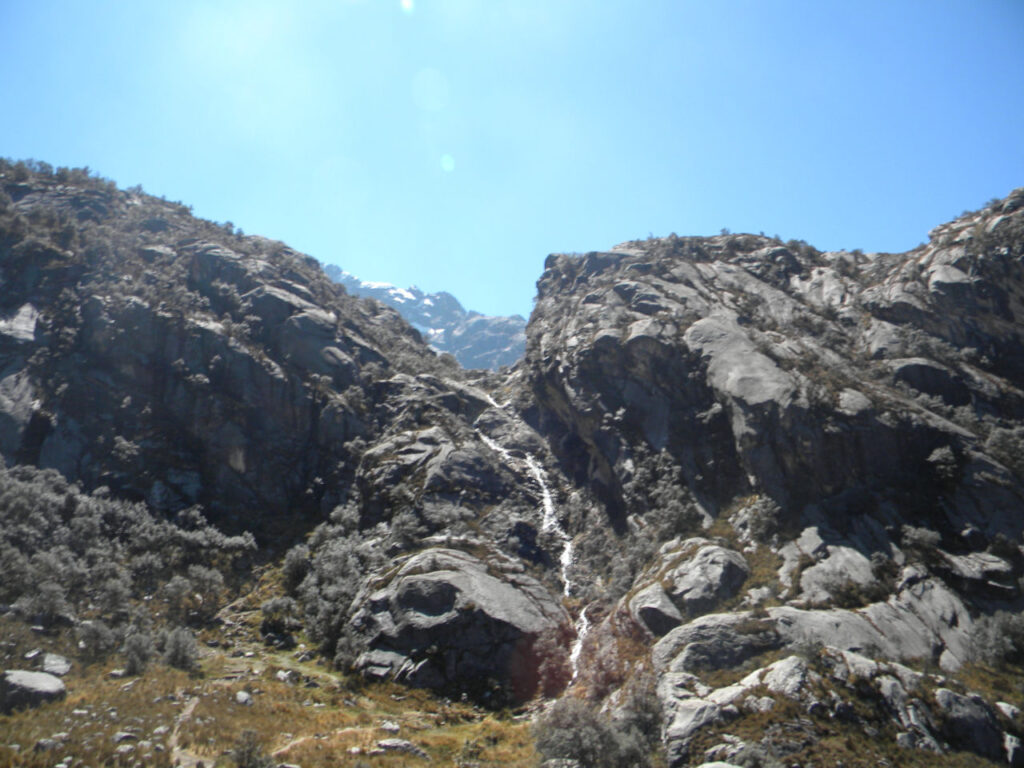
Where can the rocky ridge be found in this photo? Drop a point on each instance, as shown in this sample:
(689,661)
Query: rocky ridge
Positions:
(737,487)
(475,340)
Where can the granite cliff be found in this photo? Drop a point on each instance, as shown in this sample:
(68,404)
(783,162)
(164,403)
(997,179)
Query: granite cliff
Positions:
(741,501)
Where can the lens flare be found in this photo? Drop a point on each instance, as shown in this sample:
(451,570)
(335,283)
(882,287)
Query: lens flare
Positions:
(447,163)
(408,6)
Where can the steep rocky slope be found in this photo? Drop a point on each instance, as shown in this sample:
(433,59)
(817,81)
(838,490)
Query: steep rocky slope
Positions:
(475,340)
(855,417)
(741,501)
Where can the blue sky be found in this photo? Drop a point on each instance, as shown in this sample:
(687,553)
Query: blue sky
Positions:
(453,144)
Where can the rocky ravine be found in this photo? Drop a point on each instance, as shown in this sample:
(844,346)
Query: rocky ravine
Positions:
(475,340)
(736,484)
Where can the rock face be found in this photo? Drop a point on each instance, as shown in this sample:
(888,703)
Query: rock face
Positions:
(21,689)
(730,353)
(688,578)
(450,621)
(475,340)
(731,477)
(185,364)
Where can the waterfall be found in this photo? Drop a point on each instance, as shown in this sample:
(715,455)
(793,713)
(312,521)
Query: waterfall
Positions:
(549,524)
(582,629)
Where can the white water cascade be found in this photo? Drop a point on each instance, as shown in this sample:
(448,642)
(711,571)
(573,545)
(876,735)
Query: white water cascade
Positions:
(549,524)
(582,630)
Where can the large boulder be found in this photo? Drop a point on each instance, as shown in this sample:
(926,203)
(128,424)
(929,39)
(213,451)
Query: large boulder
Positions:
(969,723)
(21,689)
(448,620)
(713,574)
(715,641)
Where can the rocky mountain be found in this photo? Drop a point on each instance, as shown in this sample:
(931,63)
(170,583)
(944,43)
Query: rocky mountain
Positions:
(742,502)
(475,340)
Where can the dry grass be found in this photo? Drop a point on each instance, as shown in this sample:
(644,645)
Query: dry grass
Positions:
(312,726)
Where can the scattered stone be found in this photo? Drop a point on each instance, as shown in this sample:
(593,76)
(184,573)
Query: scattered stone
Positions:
(289,676)
(125,749)
(160,730)
(45,745)
(32,654)
(787,677)
(402,745)
(117,674)
(759,703)
(244,698)
(1007,710)
(390,726)
(54,664)
(122,736)
(1014,750)
(906,740)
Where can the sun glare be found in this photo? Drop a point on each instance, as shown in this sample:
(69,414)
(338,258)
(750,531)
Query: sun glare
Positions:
(408,6)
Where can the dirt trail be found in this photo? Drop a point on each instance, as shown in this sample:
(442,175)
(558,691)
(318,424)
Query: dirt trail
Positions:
(303,739)
(180,756)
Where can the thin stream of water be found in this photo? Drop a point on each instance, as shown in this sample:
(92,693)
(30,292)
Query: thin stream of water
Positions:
(549,524)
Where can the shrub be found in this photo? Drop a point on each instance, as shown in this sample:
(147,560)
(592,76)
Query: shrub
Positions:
(180,650)
(998,639)
(296,566)
(96,640)
(1007,447)
(921,543)
(249,753)
(277,613)
(45,606)
(138,650)
(574,730)
(553,669)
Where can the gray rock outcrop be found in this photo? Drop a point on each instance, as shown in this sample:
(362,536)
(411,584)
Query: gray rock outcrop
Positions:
(450,621)
(22,689)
